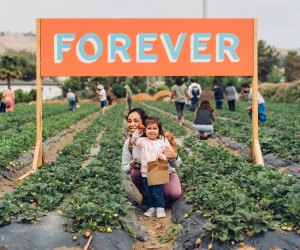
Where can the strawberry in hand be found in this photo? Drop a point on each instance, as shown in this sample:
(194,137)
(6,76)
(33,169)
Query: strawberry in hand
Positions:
(141,126)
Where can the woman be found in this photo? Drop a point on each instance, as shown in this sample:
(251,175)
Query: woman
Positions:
(8,97)
(72,100)
(180,94)
(204,116)
(131,159)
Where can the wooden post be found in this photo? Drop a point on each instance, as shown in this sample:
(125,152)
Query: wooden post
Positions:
(256,151)
(39,156)
(39,140)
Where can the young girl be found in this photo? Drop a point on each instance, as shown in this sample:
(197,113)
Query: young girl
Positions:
(204,116)
(151,148)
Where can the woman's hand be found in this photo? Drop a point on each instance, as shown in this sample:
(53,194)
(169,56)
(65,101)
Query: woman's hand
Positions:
(134,163)
(169,152)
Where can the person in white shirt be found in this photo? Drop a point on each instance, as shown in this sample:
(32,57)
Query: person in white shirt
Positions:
(194,91)
(102,93)
(261,102)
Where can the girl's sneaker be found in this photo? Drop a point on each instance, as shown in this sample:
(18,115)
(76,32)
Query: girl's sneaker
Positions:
(150,212)
(160,212)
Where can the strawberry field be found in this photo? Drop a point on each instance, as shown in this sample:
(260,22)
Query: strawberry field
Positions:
(227,199)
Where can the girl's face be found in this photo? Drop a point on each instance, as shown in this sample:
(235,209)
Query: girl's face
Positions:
(133,122)
(152,131)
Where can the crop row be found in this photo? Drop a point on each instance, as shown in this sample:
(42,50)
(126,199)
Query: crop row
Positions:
(46,189)
(27,114)
(20,139)
(99,203)
(285,146)
(235,196)
(284,117)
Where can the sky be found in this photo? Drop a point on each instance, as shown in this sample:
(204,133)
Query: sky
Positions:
(278,20)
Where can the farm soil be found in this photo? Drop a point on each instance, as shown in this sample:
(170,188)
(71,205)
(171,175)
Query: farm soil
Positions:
(51,153)
(154,228)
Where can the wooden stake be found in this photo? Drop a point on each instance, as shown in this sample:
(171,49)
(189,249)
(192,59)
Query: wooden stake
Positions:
(87,245)
(258,159)
(39,156)
(257,155)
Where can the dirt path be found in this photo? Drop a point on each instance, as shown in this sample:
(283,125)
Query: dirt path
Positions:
(50,154)
(154,228)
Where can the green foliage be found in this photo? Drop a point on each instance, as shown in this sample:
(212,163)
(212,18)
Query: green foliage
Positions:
(170,234)
(74,83)
(21,96)
(169,80)
(27,64)
(237,197)
(206,82)
(118,90)
(292,66)
(10,67)
(223,81)
(97,201)
(274,76)
(279,93)
(267,59)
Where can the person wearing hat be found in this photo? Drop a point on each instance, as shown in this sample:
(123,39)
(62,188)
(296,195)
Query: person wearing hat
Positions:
(102,93)
(128,96)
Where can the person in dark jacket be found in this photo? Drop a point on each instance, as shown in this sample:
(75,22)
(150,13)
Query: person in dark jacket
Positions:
(219,97)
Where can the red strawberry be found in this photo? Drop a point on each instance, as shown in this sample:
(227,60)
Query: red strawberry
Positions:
(33,204)
(141,126)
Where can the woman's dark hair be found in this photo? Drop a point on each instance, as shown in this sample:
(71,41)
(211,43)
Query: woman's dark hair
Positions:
(152,120)
(141,112)
(206,105)
(179,80)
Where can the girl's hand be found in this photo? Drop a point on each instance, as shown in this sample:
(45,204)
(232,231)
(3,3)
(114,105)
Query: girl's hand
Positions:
(169,152)
(159,157)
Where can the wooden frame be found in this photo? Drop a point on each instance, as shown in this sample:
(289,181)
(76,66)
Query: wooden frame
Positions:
(39,157)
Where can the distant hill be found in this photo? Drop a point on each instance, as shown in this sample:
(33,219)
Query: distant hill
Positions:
(17,42)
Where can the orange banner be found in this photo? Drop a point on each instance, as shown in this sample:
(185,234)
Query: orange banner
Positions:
(147,47)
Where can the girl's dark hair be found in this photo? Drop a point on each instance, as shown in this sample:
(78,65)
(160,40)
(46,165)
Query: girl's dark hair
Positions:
(152,120)
(206,105)
(141,112)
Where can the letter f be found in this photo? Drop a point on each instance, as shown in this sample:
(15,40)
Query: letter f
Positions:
(60,46)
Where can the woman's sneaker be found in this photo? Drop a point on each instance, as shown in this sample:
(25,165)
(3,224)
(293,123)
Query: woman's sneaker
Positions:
(160,212)
(150,212)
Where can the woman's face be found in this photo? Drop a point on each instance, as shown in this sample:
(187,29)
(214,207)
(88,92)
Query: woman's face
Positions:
(133,122)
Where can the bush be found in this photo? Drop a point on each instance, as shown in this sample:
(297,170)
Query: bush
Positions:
(118,90)
(274,76)
(291,93)
(21,96)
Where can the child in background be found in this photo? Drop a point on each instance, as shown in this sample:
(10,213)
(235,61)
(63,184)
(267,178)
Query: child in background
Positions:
(151,148)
